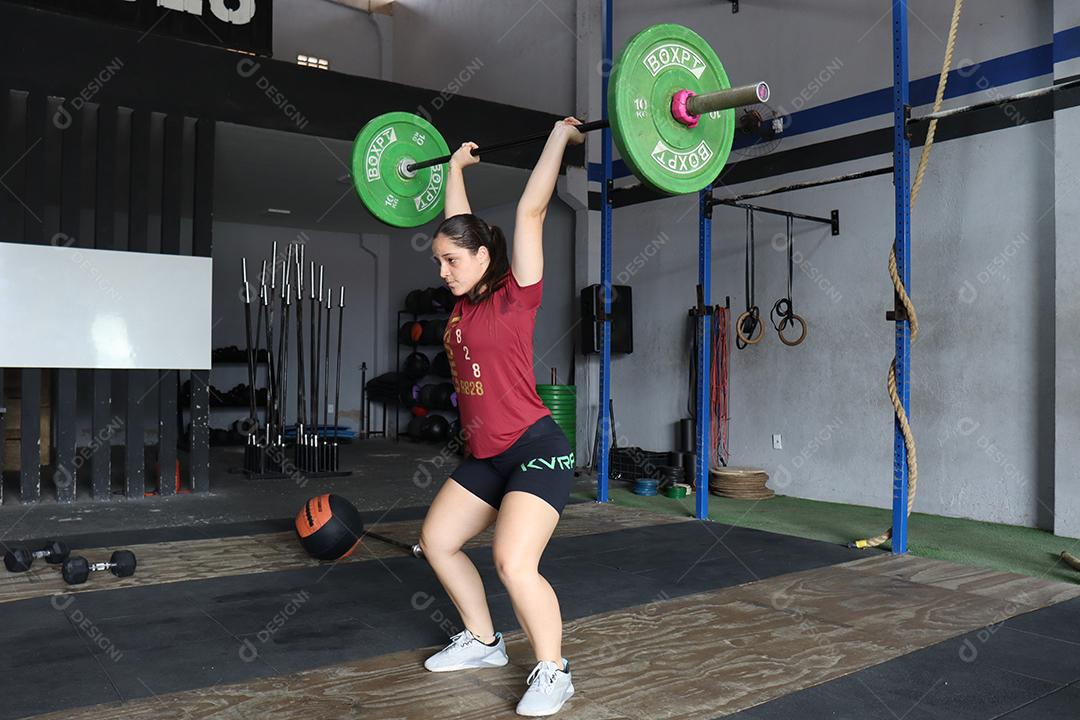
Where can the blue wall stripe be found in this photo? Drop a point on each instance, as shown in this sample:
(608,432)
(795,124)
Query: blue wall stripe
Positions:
(1067,44)
(1022,65)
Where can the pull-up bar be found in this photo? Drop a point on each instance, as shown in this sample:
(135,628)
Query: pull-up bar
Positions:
(833,221)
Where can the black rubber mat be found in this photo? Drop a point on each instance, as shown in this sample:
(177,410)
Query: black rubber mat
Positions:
(1027,668)
(137,642)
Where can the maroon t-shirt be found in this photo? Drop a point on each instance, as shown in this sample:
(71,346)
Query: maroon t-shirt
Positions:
(490,348)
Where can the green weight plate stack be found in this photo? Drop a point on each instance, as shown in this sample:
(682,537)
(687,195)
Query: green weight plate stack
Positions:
(561,400)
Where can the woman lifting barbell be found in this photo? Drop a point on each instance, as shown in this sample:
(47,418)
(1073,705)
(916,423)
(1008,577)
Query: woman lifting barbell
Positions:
(519,467)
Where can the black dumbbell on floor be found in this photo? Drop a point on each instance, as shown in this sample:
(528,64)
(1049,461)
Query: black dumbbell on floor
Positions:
(19,559)
(78,569)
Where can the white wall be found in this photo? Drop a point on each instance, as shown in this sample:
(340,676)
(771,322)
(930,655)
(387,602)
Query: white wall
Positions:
(347,38)
(982,372)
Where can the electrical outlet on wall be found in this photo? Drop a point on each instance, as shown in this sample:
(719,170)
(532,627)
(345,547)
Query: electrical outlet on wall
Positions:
(776,442)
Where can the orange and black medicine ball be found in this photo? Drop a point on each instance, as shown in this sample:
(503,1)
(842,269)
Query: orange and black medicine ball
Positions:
(329,527)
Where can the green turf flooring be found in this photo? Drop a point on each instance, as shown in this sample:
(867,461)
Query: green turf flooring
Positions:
(1003,547)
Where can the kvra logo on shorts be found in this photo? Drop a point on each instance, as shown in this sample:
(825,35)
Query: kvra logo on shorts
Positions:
(560,462)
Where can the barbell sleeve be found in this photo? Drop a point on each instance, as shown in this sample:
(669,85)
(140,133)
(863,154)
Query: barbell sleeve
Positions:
(727,99)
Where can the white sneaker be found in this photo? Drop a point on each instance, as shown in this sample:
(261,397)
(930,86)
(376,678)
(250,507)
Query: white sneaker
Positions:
(465,652)
(549,689)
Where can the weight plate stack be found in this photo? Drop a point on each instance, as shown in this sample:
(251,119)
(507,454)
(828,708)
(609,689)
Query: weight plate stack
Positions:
(561,400)
(671,475)
(676,491)
(739,483)
(645,486)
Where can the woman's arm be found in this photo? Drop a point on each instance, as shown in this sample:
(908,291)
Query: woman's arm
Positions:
(457,202)
(527,262)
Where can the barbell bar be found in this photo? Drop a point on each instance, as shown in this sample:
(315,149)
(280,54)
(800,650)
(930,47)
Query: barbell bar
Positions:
(695,106)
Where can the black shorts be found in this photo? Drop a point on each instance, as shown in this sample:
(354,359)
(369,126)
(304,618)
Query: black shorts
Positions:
(540,463)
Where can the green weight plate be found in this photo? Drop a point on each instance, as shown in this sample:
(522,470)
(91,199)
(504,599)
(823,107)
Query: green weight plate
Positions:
(558,398)
(561,402)
(556,390)
(381,148)
(665,154)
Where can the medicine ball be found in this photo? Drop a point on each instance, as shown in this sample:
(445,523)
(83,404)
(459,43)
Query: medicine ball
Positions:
(437,428)
(418,411)
(409,333)
(416,365)
(434,332)
(442,299)
(329,527)
(414,301)
(441,365)
(427,300)
(416,427)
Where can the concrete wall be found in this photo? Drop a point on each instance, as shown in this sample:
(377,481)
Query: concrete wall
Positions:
(1065,498)
(983,273)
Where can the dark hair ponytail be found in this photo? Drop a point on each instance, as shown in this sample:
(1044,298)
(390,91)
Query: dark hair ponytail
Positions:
(471,233)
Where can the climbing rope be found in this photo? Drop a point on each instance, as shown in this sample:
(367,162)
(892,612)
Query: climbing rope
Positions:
(901,291)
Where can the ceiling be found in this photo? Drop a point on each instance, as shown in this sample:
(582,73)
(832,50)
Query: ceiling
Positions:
(256,169)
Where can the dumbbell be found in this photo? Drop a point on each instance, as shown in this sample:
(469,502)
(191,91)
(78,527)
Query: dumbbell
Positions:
(78,569)
(19,559)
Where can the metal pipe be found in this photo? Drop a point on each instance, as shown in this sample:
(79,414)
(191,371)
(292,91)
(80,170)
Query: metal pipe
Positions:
(772,211)
(301,402)
(326,361)
(1027,95)
(247,330)
(810,184)
(337,382)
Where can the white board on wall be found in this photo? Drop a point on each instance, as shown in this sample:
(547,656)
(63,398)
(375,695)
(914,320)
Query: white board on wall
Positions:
(64,307)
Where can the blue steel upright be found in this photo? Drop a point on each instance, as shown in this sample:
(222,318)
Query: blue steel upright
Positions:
(605,266)
(704,330)
(902,183)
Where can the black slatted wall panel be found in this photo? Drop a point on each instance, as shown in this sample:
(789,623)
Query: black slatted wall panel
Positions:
(48,162)
(139,381)
(168,380)
(202,243)
(104,239)
(9,214)
(33,160)
(72,197)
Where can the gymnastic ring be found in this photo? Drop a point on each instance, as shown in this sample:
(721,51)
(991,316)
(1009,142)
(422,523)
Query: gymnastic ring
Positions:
(747,314)
(784,323)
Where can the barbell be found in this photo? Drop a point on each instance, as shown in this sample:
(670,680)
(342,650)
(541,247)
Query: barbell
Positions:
(671,114)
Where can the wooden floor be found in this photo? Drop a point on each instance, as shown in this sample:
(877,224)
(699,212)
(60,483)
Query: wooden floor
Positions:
(168,562)
(698,656)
